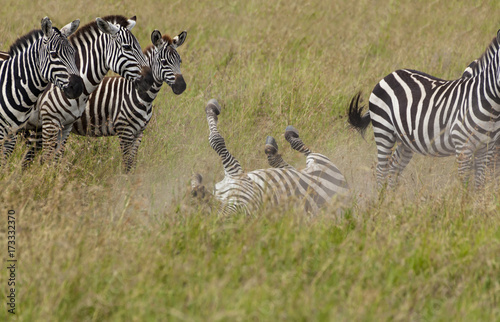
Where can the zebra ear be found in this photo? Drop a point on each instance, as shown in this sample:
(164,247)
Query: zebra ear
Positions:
(179,39)
(107,27)
(47,27)
(156,38)
(70,28)
(131,22)
(498,36)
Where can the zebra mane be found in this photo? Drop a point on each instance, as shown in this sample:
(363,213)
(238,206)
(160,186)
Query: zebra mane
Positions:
(115,19)
(24,41)
(479,64)
(151,47)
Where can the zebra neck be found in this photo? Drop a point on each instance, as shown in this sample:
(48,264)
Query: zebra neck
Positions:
(90,59)
(150,95)
(22,81)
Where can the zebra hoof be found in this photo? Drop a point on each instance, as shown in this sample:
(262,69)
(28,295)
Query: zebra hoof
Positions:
(196,180)
(291,132)
(213,106)
(271,146)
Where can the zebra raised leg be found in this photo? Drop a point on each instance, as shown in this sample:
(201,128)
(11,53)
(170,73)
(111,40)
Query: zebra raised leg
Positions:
(328,177)
(273,157)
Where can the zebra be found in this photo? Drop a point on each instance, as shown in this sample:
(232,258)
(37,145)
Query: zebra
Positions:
(36,59)
(239,191)
(101,45)
(116,107)
(494,165)
(423,114)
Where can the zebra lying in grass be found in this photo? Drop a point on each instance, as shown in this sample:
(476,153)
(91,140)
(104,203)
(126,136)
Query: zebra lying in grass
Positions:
(314,186)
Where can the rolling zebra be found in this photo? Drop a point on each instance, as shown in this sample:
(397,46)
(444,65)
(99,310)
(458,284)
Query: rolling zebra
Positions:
(34,60)
(116,107)
(101,45)
(315,186)
(423,114)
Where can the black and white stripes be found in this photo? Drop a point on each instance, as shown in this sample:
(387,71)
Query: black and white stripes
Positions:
(426,115)
(34,60)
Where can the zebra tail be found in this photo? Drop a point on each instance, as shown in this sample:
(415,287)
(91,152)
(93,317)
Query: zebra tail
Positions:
(355,119)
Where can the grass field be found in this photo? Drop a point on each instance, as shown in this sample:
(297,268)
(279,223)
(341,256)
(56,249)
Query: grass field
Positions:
(93,243)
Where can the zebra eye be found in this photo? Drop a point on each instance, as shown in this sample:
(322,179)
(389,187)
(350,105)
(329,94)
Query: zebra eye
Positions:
(54,54)
(164,62)
(127,47)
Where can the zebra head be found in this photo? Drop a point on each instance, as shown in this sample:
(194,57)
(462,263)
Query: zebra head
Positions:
(123,53)
(166,63)
(57,58)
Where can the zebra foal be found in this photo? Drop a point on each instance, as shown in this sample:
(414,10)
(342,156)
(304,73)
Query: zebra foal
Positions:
(117,107)
(419,113)
(33,61)
(314,186)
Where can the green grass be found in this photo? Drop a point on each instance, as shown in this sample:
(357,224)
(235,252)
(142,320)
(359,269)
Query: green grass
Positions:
(96,244)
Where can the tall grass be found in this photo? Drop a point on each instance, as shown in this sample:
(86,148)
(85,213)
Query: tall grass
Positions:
(96,244)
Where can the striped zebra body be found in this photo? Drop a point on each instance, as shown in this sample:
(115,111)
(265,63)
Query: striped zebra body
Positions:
(422,114)
(103,45)
(35,60)
(116,107)
(247,192)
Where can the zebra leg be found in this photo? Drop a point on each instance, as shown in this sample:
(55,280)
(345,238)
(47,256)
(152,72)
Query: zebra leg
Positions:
(129,144)
(34,144)
(494,166)
(273,157)
(464,158)
(51,133)
(400,159)
(231,165)
(292,136)
(482,160)
(8,146)
(385,141)
(61,141)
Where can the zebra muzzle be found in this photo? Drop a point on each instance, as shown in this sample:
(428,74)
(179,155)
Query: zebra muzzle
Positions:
(74,88)
(179,84)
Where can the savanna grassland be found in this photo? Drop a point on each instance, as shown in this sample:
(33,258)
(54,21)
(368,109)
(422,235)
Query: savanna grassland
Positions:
(93,243)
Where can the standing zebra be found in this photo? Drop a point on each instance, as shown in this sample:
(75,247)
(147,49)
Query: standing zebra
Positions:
(240,191)
(34,60)
(104,44)
(426,115)
(116,107)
